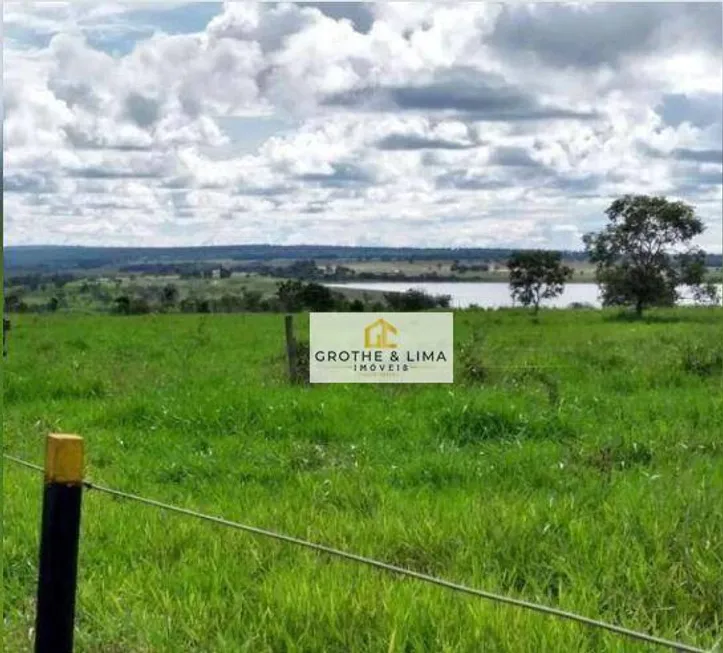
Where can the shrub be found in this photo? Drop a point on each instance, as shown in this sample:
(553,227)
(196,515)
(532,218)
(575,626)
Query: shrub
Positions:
(471,425)
(301,372)
(470,360)
(703,361)
(416,300)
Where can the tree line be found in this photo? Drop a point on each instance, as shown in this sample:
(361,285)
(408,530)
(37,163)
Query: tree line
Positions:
(292,296)
(642,256)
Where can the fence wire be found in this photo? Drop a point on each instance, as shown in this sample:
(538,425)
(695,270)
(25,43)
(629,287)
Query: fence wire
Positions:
(498,598)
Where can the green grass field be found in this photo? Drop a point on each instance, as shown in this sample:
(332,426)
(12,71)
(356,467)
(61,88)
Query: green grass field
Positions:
(592,482)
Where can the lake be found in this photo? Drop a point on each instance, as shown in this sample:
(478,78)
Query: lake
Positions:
(490,294)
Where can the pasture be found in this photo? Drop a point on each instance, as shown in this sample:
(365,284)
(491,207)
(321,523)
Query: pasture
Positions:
(577,461)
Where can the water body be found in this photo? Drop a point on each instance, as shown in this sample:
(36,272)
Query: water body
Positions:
(491,294)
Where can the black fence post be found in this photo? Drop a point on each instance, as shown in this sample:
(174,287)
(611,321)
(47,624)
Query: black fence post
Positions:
(59,538)
(6,330)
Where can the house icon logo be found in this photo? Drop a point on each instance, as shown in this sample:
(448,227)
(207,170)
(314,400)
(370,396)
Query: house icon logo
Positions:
(377,335)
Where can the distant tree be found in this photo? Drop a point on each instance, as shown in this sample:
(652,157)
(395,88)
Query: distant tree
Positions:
(317,298)
(289,295)
(694,268)
(13,302)
(635,264)
(304,270)
(251,299)
(271,305)
(125,305)
(229,304)
(295,295)
(7,325)
(53,304)
(122,305)
(415,300)
(536,275)
(187,305)
(100,293)
(59,280)
(140,306)
(169,295)
(224,272)
(356,306)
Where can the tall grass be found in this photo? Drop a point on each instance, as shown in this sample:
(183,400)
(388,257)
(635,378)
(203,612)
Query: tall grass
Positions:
(581,468)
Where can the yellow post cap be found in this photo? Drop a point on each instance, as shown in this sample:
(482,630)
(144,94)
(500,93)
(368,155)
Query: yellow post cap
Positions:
(63,458)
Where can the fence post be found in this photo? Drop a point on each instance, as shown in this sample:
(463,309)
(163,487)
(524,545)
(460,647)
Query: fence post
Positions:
(291,347)
(6,330)
(59,536)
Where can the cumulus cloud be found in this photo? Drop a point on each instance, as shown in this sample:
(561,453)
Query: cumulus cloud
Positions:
(467,124)
(600,35)
(465,92)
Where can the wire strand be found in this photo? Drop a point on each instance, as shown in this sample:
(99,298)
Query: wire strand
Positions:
(620,630)
(24,463)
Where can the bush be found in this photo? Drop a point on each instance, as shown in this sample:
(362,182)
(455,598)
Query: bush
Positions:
(13,302)
(301,372)
(251,299)
(702,361)
(140,306)
(470,360)
(229,304)
(470,425)
(416,300)
(187,305)
(296,296)
(125,305)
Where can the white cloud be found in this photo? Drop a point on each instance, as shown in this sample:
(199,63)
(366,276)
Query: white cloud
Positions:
(479,124)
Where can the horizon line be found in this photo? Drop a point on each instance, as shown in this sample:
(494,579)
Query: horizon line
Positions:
(307,245)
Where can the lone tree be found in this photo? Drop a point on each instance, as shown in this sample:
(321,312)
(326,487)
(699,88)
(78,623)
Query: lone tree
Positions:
(169,295)
(635,264)
(295,295)
(536,275)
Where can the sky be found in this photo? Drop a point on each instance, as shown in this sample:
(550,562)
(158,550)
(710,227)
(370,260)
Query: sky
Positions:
(379,124)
